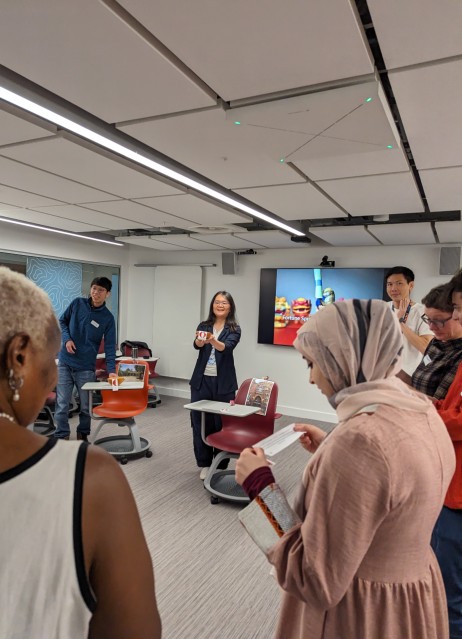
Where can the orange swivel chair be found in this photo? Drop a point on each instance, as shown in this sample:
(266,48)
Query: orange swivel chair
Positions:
(235,435)
(121,407)
(143,352)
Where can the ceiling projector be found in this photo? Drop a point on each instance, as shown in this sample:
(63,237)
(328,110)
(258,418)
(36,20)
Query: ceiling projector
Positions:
(300,239)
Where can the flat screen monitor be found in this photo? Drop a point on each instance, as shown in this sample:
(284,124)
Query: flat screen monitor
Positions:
(289,296)
(135,372)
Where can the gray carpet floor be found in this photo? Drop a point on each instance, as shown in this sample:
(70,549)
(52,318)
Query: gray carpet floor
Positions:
(212,582)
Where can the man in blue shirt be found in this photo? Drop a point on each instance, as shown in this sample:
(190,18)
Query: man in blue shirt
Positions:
(84,323)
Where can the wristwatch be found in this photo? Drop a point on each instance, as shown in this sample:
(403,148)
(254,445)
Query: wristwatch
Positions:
(402,320)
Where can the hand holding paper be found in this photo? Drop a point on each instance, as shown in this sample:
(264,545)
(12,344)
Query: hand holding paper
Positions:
(249,460)
(311,436)
(278,441)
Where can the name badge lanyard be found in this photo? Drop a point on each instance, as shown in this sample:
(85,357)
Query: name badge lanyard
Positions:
(406,314)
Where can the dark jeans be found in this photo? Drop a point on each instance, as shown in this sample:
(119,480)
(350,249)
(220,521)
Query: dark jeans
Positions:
(204,454)
(447,544)
(67,378)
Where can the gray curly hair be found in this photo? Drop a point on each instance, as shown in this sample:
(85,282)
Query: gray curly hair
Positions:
(25,308)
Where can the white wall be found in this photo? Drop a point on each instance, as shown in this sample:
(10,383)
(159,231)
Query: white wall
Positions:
(284,365)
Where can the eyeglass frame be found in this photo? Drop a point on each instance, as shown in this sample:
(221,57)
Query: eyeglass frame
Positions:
(437,323)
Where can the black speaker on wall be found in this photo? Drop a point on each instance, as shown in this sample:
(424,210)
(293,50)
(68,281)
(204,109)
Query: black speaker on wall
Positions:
(449,260)
(229,263)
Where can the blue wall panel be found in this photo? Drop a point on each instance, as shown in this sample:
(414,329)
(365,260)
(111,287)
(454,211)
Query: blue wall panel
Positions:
(60,279)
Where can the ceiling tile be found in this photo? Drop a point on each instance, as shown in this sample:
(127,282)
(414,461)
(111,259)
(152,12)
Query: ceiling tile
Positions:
(398,234)
(188,242)
(67,159)
(149,242)
(430,103)
(24,199)
(416,31)
(449,232)
(354,164)
(259,50)
(21,176)
(232,155)
(15,129)
(340,121)
(443,188)
(345,235)
(84,53)
(193,208)
(375,194)
(37,217)
(271,239)
(135,214)
(228,241)
(103,220)
(293,201)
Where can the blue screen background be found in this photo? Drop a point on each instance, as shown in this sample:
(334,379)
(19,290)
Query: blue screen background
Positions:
(360,283)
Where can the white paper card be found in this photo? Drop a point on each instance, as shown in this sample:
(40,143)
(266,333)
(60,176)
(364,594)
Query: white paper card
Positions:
(278,441)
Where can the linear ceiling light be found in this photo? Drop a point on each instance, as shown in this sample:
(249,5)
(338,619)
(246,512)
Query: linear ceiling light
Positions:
(101,140)
(45,228)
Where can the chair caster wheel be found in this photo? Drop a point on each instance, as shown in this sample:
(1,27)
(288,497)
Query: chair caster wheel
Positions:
(123,461)
(149,453)
(214,500)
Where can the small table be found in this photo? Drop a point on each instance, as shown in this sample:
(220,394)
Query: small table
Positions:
(127,358)
(120,446)
(222,483)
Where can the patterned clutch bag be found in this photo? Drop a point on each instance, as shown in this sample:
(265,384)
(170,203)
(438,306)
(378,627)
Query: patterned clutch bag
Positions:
(268,517)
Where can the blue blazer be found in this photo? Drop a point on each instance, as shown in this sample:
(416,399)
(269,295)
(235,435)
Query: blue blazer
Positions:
(226,373)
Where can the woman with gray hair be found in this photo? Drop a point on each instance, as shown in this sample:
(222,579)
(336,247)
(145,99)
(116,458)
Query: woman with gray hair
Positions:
(359,564)
(73,558)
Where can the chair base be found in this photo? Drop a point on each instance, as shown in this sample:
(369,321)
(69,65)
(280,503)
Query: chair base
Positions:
(123,447)
(222,484)
(45,424)
(154,397)
(44,429)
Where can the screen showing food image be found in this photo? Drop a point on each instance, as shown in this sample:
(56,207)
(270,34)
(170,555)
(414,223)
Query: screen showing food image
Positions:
(290,296)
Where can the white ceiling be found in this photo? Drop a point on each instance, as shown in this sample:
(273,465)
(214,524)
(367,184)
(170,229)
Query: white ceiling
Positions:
(283,107)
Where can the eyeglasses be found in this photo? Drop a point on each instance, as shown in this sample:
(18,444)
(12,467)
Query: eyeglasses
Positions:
(436,323)
(218,303)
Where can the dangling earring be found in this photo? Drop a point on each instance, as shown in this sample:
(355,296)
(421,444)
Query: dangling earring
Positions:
(15,384)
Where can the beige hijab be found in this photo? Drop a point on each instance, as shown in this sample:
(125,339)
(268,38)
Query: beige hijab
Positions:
(357,345)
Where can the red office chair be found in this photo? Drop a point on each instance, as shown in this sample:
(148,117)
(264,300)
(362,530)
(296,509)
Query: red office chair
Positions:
(121,407)
(101,373)
(235,435)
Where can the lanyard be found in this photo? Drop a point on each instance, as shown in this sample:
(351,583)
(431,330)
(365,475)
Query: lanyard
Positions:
(406,314)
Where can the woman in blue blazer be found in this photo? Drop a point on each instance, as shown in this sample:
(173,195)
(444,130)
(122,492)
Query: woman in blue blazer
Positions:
(214,375)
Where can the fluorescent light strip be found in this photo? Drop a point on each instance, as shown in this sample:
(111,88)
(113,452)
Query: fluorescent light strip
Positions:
(88,134)
(45,228)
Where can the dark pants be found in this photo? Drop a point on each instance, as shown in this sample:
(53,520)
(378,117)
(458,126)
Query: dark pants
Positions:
(204,454)
(447,544)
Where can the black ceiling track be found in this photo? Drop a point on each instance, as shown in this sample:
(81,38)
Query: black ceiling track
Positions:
(368,26)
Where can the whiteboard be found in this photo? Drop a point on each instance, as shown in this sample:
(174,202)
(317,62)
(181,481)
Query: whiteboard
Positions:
(177,308)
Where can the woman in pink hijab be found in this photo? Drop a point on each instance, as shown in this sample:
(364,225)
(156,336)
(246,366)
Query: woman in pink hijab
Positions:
(360,565)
